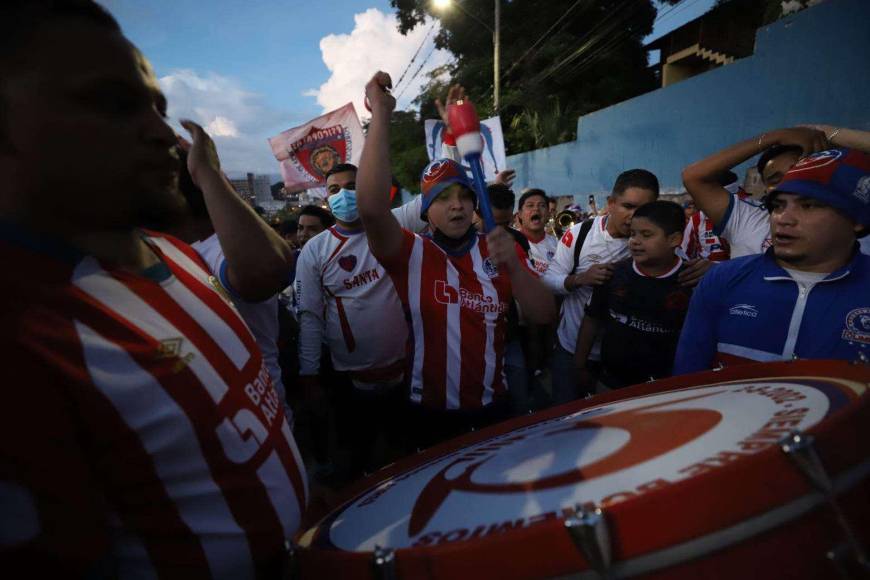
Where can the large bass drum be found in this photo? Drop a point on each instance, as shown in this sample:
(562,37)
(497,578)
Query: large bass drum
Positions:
(758,471)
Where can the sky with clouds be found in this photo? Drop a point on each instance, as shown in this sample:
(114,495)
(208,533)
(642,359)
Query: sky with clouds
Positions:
(249,69)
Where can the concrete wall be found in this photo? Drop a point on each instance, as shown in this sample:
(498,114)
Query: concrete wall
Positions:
(812,67)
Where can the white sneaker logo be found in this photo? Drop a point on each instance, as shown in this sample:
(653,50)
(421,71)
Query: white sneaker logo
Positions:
(743,310)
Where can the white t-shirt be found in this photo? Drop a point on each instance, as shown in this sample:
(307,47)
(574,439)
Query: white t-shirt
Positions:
(599,248)
(543,252)
(261,317)
(746,226)
(348,301)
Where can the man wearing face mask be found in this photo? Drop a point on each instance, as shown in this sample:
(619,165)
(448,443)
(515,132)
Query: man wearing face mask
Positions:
(347,302)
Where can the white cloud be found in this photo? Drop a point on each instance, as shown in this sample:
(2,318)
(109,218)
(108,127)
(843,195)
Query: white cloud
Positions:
(238,120)
(222,127)
(374,44)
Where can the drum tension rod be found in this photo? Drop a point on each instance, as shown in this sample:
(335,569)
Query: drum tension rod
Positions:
(800,448)
(384,562)
(587,527)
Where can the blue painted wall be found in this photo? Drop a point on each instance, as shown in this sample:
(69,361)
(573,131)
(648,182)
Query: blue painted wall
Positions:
(812,67)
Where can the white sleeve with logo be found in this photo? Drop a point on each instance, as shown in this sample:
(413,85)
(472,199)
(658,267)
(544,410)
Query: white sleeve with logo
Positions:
(408,215)
(309,296)
(562,264)
(746,227)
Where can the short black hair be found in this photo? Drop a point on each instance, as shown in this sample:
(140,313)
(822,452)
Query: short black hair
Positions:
(340,168)
(665,214)
(500,196)
(22,18)
(324,216)
(726,178)
(532,193)
(775,151)
(287,227)
(640,178)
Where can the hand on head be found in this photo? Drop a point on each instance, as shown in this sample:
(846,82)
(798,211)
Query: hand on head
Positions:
(809,139)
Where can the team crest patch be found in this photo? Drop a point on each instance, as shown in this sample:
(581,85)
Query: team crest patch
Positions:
(169,347)
(490,268)
(862,191)
(568,238)
(347,263)
(858,326)
(219,288)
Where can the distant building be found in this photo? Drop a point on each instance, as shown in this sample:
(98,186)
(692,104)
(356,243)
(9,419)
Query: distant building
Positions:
(255,189)
(718,38)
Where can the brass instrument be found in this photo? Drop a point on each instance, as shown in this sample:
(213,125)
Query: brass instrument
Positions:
(564,220)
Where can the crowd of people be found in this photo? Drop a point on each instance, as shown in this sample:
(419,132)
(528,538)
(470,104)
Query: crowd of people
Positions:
(165,348)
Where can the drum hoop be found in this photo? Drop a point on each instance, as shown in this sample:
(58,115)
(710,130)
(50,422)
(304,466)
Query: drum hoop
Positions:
(730,536)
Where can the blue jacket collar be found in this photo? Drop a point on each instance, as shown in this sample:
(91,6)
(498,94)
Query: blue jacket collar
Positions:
(771,271)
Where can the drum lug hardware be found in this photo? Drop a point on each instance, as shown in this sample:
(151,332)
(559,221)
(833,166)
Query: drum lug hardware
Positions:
(719,367)
(862,359)
(384,562)
(587,527)
(799,447)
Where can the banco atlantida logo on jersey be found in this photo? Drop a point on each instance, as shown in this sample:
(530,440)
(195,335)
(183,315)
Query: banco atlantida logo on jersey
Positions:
(474,301)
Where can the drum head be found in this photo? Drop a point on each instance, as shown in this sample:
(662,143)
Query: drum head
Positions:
(681,469)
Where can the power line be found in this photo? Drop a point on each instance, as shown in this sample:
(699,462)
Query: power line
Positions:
(416,53)
(542,37)
(420,68)
(603,28)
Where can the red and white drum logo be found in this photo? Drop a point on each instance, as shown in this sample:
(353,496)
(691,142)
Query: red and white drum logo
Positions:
(605,454)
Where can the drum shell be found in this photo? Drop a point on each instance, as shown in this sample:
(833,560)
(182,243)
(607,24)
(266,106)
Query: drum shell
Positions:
(657,521)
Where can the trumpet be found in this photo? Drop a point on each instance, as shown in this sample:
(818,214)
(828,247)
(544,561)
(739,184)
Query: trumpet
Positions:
(563,221)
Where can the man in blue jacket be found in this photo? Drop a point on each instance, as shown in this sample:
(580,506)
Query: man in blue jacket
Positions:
(808,296)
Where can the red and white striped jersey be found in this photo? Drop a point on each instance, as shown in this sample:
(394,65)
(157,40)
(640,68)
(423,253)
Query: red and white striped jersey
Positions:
(456,307)
(139,432)
(699,240)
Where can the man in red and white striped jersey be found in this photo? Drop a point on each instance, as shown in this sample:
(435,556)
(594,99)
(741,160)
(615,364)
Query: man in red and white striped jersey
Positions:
(455,286)
(140,435)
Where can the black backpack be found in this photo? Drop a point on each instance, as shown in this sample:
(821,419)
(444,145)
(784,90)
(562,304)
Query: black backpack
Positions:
(581,237)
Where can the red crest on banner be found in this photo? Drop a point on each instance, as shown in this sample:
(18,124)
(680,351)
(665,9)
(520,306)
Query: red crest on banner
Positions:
(321,150)
(307,153)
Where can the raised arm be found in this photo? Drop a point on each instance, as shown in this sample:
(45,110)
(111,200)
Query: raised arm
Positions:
(843,137)
(373,177)
(258,260)
(701,177)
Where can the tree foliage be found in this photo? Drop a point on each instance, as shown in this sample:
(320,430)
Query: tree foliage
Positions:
(592,58)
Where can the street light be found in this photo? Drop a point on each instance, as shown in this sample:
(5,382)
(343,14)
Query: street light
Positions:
(496,41)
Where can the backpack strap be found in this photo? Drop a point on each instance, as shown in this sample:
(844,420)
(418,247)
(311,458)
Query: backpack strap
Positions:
(581,237)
